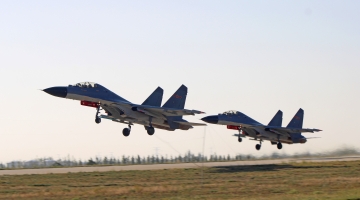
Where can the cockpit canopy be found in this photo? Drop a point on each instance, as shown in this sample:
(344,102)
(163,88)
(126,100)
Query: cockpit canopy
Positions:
(85,85)
(231,112)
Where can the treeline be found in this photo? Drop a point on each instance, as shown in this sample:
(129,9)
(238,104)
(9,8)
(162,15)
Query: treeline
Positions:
(188,157)
(123,160)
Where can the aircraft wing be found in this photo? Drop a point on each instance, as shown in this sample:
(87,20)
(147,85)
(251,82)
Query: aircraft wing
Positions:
(190,123)
(165,111)
(293,130)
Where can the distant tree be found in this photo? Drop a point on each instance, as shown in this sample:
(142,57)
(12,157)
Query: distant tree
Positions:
(132,160)
(105,161)
(228,157)
(98,160)
(138,160)
(57,164)
(143,160)
(205,158)
(157,160)
(91,162)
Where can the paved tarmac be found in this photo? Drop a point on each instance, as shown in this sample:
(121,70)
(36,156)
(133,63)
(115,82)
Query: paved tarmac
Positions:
(170,166)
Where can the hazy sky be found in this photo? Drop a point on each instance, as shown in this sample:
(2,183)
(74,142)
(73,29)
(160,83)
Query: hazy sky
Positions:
(253,56)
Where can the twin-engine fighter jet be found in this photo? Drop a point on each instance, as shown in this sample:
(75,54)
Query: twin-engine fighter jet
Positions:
(259,132)
(149,113)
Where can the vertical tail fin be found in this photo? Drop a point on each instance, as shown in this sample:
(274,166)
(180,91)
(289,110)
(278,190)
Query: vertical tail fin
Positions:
(177,100)
(155,98)
(277,119)
(297,120)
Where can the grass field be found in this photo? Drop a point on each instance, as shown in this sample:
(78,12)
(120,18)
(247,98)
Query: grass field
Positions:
(326,180)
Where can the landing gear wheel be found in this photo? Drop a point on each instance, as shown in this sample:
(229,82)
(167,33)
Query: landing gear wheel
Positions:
(150,130)
(239,139)
(258,146)
(126,132)
(279,145)
(97,120)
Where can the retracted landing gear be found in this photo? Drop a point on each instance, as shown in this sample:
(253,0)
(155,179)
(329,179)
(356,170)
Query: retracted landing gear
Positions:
(258,146)
(97,118)
(126,131)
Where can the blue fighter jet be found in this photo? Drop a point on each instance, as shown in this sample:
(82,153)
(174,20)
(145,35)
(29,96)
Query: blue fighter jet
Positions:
(273,132)
(150,114)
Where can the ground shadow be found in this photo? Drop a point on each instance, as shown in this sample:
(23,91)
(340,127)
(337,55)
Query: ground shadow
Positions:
(270,167)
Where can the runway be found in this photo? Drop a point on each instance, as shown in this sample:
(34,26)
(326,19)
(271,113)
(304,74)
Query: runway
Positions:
(170,166)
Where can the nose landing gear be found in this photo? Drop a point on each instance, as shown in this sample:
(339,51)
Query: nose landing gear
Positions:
(279,145)
(97,118)
(258,146)
(240,132)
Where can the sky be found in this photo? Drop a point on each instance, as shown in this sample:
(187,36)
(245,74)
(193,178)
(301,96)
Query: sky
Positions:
(252,56)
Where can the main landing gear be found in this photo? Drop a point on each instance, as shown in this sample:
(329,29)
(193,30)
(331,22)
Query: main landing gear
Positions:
(97,118)
(126,131)
(258,146)
(150,130)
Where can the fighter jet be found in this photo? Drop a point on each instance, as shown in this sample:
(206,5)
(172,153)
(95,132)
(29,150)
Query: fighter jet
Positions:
(150,114)
(273,132)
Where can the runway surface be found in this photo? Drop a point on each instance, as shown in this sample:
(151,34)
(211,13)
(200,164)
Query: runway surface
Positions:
(169,166)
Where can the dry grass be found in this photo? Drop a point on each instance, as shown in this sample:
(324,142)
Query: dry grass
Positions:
(330,180)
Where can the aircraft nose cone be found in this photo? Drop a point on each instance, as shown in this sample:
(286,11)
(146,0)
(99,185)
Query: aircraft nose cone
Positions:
(57,91)
(213,119)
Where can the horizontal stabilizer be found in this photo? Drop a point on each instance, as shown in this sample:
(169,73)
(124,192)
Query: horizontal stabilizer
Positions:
(190,123)
(312,137)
